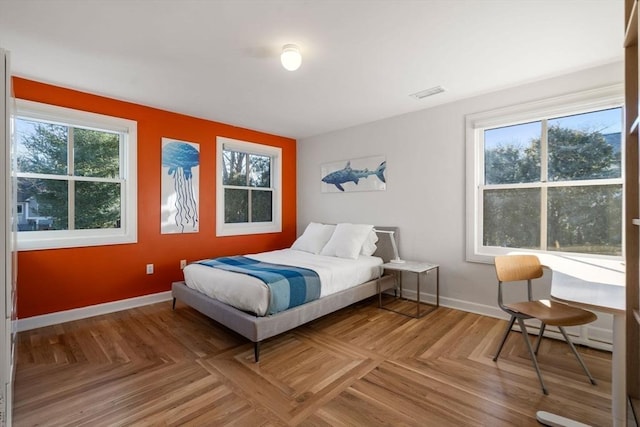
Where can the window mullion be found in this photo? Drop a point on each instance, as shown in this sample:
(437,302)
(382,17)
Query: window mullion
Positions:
(249,219)
(71,197)
(544,178)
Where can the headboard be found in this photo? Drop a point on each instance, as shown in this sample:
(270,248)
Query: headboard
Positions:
(384,247)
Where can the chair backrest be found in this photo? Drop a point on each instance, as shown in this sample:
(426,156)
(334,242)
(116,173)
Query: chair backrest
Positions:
(510,268)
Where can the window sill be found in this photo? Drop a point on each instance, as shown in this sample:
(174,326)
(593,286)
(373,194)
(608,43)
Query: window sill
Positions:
(245,229)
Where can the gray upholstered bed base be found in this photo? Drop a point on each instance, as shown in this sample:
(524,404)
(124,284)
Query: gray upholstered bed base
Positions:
(258,328)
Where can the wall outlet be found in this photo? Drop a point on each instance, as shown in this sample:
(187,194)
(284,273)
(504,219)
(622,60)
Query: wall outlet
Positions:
(183,264)
(149,268)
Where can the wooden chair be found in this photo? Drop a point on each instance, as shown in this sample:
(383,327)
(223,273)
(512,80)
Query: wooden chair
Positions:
(518,268)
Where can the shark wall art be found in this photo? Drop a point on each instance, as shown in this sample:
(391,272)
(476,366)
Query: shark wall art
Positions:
(364,174)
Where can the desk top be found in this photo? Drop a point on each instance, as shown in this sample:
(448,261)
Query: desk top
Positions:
(590,295)
(581,282)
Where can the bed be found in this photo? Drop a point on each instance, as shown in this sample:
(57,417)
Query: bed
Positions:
(258,328)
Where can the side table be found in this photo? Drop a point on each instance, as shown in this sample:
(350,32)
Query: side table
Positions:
(419,268)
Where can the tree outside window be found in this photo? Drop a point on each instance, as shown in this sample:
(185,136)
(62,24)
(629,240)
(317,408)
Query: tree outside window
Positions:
(247,192)
(248,188)
(76,177)
(61,175)
(555,184)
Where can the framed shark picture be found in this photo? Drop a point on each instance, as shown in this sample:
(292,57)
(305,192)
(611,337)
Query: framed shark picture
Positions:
(362,174)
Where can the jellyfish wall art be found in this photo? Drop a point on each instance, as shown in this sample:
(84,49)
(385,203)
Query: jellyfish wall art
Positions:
(180,180)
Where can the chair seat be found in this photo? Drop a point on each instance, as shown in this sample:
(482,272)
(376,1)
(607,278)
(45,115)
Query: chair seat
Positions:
(553,313)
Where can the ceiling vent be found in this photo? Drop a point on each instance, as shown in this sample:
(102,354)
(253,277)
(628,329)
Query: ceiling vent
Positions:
(427,92)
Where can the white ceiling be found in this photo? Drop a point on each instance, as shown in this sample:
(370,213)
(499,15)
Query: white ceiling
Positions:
(219,59)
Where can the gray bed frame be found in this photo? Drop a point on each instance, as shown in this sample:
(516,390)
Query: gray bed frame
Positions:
(258,328)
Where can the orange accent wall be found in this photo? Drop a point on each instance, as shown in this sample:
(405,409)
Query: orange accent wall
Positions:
(63,279)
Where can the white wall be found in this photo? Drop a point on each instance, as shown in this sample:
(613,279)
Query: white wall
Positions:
(425,193)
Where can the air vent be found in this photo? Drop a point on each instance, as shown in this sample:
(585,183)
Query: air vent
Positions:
(427,92)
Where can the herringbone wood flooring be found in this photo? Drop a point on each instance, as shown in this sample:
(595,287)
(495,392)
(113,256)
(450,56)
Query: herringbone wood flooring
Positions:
(359,366)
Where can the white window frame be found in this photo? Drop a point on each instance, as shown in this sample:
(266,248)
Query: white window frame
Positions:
(570,104)
(128,231)
(275,153)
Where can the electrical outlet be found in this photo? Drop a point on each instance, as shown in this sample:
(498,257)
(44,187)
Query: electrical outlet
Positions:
(149,268)
(183,264)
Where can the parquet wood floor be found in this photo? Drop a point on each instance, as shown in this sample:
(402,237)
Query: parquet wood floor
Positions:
(152,366)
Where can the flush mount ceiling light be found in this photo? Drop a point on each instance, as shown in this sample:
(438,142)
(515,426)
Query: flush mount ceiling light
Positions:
(291,57)
(427,92)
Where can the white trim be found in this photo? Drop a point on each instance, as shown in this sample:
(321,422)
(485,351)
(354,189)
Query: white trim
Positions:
(53,239)
(589,335)
(90,311)
(599,338)
(574,103)
(275,226)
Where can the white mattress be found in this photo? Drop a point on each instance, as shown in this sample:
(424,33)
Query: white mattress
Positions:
(251,294)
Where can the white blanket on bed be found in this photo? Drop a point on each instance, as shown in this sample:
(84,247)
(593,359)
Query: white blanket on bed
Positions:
(251,294)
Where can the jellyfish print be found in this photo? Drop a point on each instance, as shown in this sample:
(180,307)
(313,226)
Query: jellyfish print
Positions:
(180,160)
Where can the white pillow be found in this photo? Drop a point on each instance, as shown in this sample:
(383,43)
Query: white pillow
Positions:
(369,246)
(347,240)
(314,238)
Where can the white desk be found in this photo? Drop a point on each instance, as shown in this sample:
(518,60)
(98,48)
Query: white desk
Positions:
(578,282)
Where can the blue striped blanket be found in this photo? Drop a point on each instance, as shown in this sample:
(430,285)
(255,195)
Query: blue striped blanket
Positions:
(288,286)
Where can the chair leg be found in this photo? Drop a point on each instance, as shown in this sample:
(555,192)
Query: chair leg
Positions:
(543,326)
(525,335)
(573,348)
(504,337)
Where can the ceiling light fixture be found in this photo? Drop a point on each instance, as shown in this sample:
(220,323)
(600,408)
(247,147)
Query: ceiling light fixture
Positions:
(427,92)
(291,58)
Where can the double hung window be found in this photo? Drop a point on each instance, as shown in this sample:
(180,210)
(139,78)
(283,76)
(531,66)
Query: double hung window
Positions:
(76,177)
(248,193)
(547,177)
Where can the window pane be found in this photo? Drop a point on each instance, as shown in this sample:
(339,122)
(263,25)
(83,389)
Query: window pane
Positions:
(41,147)
(236,206)
(234,171)
(261,206)
(97,205)
(260,171)
(585,146)
(511,218)
(45,204)
(96,153)
(585,219)
(512,154)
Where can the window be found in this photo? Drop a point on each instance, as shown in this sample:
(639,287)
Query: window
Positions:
(76,176)
(547,177)
(248,188)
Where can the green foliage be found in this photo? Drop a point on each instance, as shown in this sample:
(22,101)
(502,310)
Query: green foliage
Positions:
(261,204)
(511,165)
(96,153)
(97,205)
(585,217)
(44,150)
(512,218)
(236,205)
(579,219)
(234,172)
(579,155)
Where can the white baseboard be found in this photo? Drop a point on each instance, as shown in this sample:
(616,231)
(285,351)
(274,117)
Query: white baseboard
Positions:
(589,335)
(90,311)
